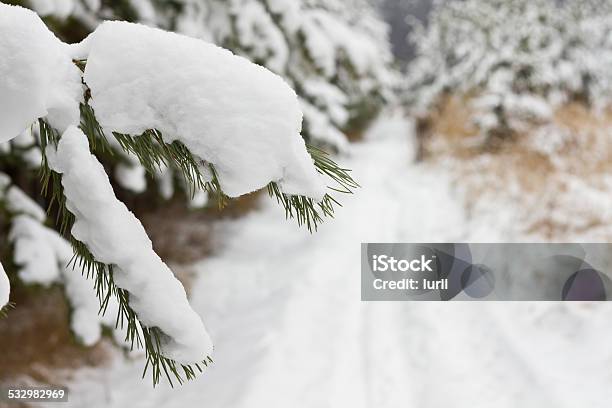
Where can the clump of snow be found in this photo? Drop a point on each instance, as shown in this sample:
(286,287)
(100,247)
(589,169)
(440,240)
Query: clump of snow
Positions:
(34,251)
(25,146)
(165,182)
(86,320)
(329,98)
(289,12)
(18,202)
(132,176)
(257,32)
(231,113)
(37,76)
(115,236)
(320,49)
(319,124)
(355,46)
(5,287)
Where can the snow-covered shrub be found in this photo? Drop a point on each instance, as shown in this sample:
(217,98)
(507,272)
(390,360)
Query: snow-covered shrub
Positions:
(515,60)
(228,126)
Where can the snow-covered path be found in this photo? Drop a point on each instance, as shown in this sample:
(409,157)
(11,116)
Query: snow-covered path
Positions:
(284,309)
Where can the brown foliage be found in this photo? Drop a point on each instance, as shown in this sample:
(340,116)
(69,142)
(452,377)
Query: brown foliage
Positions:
(577,148)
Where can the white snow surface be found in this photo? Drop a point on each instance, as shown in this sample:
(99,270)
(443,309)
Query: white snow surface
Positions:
(5,287)
(234,114)
(291,330)
(115,236)
(37,76)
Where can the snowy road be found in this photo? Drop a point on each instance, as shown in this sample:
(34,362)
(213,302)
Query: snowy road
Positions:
(284,309)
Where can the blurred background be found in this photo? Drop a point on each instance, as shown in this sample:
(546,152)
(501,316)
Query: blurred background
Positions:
(463,121)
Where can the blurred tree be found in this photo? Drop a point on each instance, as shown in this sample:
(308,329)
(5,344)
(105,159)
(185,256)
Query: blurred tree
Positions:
(516,59)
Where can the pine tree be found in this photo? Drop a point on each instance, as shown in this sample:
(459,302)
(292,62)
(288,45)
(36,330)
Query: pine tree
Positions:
(70,107)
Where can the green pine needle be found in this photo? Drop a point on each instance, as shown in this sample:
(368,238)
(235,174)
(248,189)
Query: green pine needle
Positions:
(306,210)
(4,309)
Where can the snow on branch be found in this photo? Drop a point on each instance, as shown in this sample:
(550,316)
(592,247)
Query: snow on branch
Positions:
(339,42)
(231,113)
(115,236)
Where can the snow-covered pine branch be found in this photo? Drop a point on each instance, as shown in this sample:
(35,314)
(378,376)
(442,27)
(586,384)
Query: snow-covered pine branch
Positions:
(114,236)
(229,126)
(334,53)
(250,137)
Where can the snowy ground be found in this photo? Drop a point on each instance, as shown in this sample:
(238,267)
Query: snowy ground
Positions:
(284,310)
